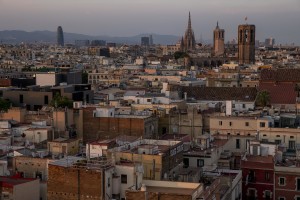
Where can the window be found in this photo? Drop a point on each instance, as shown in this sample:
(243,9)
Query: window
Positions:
(251,193)
(200,162)
(241,35)
(220,123)
(265,140)
(123,178)
(281,198)
(21,98)
(244,105)
(108,182)
(267,194)
(281,181)
(267,176)
(292,144)
(251,176)
(262,124)
(298,184)
(246,123)
(46,100)
(233,105)
(277,141)
(237,143)
(230,123)
(246,35)
(39,175)
(148,100)
(186,162)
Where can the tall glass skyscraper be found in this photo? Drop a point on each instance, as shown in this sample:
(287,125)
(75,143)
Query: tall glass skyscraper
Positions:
(60,36)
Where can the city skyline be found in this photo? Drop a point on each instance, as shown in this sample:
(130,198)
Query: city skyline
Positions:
(273,18)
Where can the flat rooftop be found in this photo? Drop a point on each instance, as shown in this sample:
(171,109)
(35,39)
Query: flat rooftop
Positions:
(170,190)
(171,187)
(197,151)
(67,161)
(261,159)
(63,140)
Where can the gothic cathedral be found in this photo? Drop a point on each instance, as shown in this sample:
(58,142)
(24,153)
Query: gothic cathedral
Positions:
(188,42)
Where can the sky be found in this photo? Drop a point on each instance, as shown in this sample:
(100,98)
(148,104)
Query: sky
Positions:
(279,19)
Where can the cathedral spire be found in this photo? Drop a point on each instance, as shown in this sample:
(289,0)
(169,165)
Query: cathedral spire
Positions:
(189,38)
(217,25)
(190,21)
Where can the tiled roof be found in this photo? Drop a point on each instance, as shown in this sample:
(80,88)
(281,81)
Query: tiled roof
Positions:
(278,75)
(220,93)
(280,93)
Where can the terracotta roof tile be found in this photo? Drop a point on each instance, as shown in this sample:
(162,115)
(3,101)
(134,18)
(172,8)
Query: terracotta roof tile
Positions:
(220,93)
(280,75)
(280,93)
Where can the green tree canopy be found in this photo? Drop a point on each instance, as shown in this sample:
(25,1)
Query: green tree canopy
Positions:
(59,101)
(4,104)
(84,77)
(263,98)
(180,54)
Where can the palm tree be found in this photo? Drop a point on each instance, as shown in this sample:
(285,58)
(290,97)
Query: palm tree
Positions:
(263,98)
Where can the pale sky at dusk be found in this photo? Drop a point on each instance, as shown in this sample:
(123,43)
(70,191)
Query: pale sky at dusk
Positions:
(273,18)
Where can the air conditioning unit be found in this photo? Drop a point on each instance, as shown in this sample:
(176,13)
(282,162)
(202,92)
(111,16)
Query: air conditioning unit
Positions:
(77,104)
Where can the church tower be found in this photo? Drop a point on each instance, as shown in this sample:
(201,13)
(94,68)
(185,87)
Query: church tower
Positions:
(189,41)
(218,41)
(246,44)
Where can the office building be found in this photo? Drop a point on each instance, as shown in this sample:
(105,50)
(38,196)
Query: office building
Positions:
(60,36)
(151,40)
(145,41)
(269,42)
(82,43)
(98,43)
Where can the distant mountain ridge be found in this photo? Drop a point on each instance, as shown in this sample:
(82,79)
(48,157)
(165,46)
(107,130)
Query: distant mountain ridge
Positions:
(18,36)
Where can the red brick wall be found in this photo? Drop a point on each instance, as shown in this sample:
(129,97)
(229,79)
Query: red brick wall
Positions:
(289,189)
(260,183)
(66,183)
(5,82)
(103,127)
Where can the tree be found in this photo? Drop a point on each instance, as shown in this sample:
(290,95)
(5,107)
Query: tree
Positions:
(59,101)
(84,77)
(4,104)
(180,54)
(263,98)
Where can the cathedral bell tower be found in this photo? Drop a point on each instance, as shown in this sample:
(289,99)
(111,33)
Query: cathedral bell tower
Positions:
(246,44)
(218,41)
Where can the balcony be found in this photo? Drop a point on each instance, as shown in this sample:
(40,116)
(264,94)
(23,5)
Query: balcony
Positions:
(251,179)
